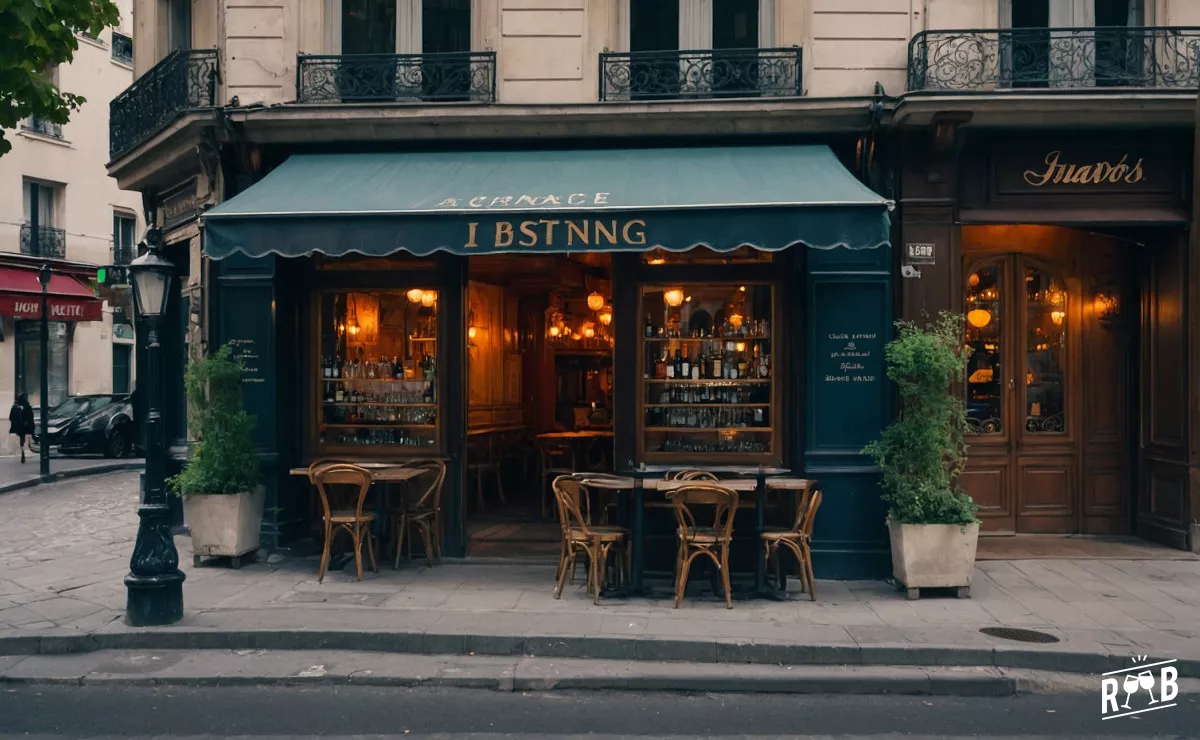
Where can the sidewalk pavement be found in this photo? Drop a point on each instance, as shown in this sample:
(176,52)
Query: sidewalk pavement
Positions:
(15,475)
(64,550)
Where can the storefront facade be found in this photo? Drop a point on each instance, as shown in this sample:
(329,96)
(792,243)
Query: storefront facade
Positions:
(749,289)
(1068,253)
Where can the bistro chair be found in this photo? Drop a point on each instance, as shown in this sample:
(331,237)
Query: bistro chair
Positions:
(343,490)
(481,459)
(798,539)
(555,457)
(595,542)
(711,541)
(425,514)
(518,448)
(692,475)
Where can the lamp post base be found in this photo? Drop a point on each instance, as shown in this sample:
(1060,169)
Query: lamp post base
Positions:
(154,601)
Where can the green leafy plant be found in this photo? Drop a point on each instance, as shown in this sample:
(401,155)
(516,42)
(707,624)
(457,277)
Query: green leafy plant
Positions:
(36,35)
(222,458)
(923,452)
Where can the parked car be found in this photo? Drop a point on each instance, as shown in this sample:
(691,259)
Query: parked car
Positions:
(98,423)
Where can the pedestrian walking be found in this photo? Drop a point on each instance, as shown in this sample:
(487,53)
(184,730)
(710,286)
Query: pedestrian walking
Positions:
(20,421)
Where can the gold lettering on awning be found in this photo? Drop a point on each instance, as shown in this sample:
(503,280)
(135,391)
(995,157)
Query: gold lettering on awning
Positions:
(541,233)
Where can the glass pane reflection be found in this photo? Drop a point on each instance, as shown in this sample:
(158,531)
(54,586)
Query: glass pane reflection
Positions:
(984,375)
(1045,352)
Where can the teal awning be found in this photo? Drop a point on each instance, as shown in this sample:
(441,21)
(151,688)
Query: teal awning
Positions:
(767,197)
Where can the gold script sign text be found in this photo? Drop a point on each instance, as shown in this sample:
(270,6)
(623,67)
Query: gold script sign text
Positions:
(552,232)
(1058,173)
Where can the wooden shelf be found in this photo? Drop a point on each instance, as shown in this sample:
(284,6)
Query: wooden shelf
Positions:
(375,380)
(422,339)
(755,338)
(379,425)
(375,403)
(707,381)
(685,405)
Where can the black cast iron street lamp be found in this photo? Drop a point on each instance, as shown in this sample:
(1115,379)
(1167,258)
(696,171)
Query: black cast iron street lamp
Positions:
(154,586)
(44,275)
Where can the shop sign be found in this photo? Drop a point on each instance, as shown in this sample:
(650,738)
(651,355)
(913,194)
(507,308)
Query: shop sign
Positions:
(919,253)
(1055,171)
(61,309)
(525,202)
(556,232)
(1049,167)
(180,205)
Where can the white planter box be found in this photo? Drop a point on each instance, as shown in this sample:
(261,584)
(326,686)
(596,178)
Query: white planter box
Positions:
(933,556)
(224,525)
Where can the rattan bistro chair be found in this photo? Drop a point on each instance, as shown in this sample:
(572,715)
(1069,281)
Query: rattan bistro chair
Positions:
(556,457)
(696,539)
(798,539)
(343,489)
(425,514)
(699,475)
(595,542)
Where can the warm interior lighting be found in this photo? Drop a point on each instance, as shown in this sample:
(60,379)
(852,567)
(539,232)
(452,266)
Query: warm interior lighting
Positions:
(979,318)
(555,331)
(428,298)
(742,288)
(973,280)
(472,332)
(589,331)
(605,315)
(673,297)
(595,301)
(741,346)
(735,320)
(1057,317)
(1107,306)
(415,295)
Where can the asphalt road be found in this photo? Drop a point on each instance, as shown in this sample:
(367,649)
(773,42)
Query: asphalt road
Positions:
(110,711)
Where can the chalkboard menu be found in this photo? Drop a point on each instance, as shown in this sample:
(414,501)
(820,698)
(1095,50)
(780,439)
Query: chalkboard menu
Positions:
(248,327)
(847,368)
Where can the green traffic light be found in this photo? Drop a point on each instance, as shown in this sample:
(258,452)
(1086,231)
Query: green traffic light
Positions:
(102,275)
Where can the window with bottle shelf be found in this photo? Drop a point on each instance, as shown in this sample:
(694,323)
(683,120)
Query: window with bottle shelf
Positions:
(708,372)
(378,369)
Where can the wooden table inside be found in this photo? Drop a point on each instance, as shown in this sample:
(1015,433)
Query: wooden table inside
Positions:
(383,472)
(581,434)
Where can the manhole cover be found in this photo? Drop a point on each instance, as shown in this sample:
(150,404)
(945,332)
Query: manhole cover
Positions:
(1020,635)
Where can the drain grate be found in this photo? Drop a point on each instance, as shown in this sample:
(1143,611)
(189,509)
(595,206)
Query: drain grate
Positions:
(1020,635)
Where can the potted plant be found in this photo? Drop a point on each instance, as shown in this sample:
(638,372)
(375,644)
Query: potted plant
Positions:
(222,500)
(932,522)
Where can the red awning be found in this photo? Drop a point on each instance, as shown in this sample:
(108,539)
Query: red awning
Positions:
(68,299)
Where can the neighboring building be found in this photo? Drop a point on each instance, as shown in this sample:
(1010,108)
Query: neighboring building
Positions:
(83,220)
(363,132)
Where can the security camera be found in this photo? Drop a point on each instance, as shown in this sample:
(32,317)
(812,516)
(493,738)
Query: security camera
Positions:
(909,271)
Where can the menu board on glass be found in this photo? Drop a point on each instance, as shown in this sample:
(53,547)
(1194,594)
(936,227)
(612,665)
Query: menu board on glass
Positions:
(378,369)
(708,373)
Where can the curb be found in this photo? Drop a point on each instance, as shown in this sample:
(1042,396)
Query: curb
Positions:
(605,648)
(101,469)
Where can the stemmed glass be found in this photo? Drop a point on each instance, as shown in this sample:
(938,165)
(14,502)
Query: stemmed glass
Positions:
(1131,686)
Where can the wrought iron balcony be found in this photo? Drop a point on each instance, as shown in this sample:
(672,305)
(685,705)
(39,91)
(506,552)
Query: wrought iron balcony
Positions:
(1059,59)
(43,127)
(711,73)
(122,48)
(50,242)
(184,80)
(123,254)
(390,78)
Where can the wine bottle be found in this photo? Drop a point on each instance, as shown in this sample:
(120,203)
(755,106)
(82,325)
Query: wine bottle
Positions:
(649,326)
(685,365)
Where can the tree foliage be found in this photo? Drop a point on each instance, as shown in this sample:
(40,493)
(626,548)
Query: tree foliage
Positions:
(36,35)
(223,458)
(923,452)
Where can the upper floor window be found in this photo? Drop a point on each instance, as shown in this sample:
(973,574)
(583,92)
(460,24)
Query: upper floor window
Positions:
(122,47)
(1072,13)
(735,24)
(124,226)
(43,198)
(405,26)
(445,26)
(369,26)
(179,24)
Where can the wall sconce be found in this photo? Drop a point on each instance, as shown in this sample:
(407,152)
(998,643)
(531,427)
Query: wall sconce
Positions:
(605,315)
(428,298)
(595,301)
(1107,305)
(472,332)
(673,297)
(415,295)
(1057,317)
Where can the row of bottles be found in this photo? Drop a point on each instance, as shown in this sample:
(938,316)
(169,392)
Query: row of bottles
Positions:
(377,436)
(693,417)
(714,361)
(333,368)
(690,444)
(742,329)
(709,394)
(352,414)
(380,392)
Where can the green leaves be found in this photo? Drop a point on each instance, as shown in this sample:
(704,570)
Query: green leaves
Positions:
(922,454)
(223,458)
(35,36)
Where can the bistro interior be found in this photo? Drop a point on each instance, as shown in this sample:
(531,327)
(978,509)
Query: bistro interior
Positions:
(653,320)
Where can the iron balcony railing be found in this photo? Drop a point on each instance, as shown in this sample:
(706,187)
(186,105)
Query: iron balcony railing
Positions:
(710,73)
(122,48)
(183,81)
(123,254)
(43,127)
(1059,59)
(50,242)
(388,78)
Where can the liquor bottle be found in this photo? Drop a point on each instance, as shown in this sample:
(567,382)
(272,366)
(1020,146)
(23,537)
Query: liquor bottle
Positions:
(337,366)
(670,366)
(326,367)
(696,370)
(686,366)
(649,326)
(678,364)
(764,368)
(717,370)
(660,366)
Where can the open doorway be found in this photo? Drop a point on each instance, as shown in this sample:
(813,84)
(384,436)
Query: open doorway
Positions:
(539,387)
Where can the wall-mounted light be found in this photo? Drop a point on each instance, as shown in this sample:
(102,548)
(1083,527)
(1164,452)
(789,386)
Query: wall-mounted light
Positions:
(1057,317)
(1107,305)
(673,297)
(415,295)
(472,332)
(428,298)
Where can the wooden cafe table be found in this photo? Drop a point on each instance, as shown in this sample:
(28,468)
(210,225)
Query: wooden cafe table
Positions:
(756,479)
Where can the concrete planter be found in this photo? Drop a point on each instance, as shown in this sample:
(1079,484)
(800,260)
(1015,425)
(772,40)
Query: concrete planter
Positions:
(934,556)
(1196,537)
(224,525)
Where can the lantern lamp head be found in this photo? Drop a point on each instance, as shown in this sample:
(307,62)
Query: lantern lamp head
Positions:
(151,275)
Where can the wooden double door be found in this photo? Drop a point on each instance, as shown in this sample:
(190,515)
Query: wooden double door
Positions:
(1048,384)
